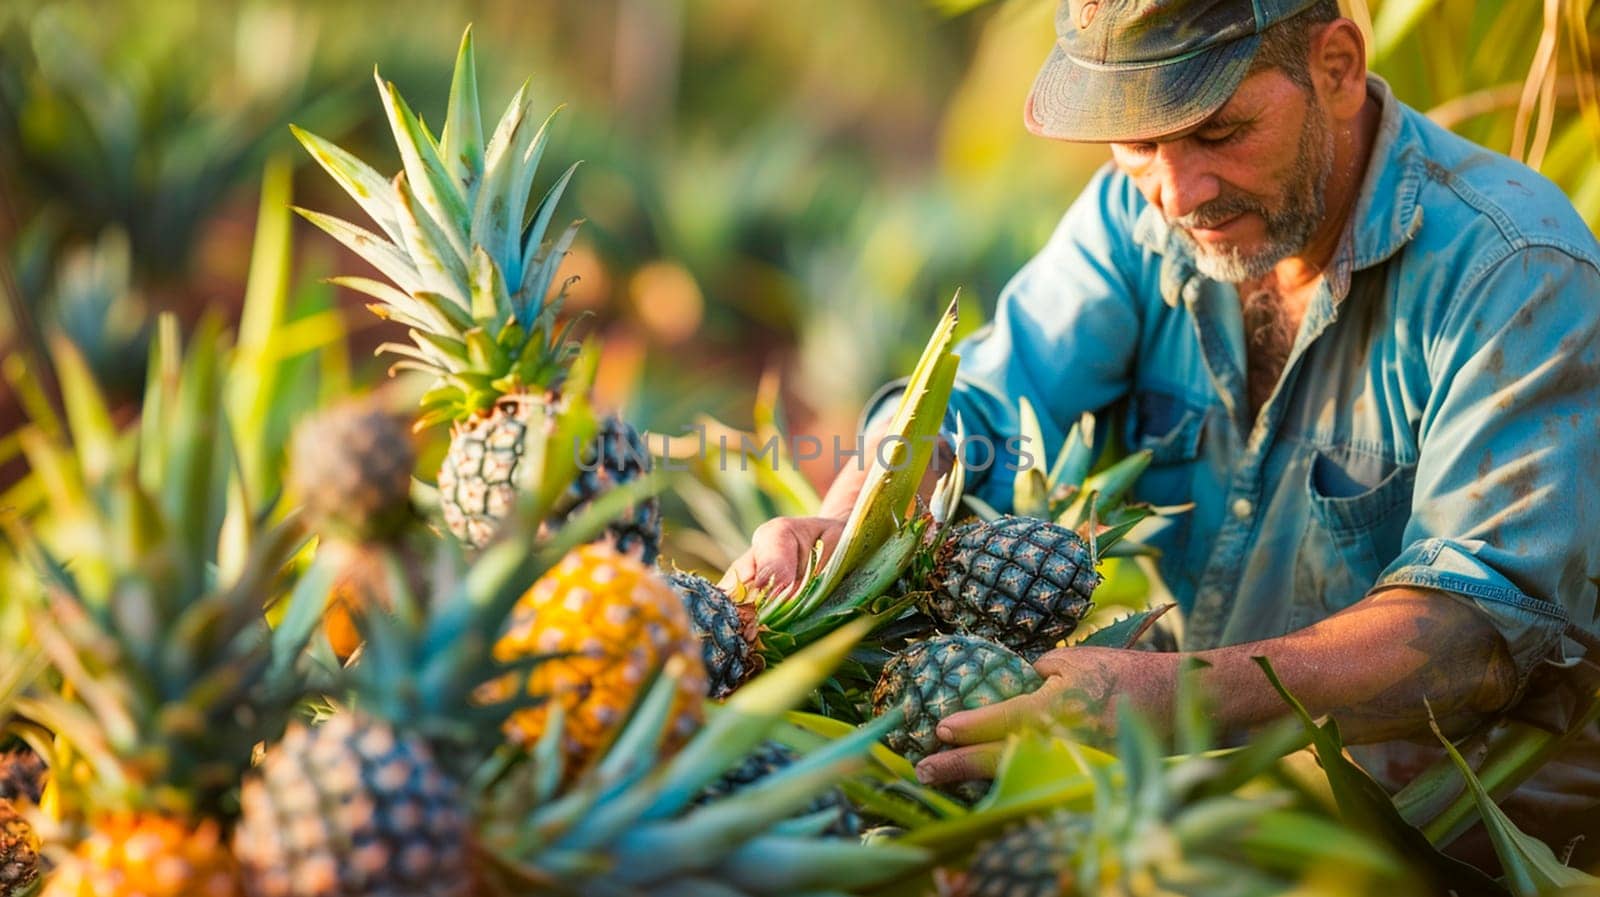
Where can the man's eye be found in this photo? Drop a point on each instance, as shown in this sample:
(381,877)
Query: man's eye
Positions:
(1141,149)
(1218,138)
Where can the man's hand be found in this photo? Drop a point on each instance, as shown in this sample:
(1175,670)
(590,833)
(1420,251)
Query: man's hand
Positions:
(1376,667)
(1082,688)
(780,551)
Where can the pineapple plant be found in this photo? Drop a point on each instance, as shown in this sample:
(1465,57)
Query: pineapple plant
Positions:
(615,621)
(940,676)
(151,621)
(351,467)
(474,284)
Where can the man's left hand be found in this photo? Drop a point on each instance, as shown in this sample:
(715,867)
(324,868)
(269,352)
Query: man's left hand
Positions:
(1082,689)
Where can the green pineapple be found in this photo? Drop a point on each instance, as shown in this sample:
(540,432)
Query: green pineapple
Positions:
(940,676)
(151,618)
(729,635)
(1021,582)
(475,286)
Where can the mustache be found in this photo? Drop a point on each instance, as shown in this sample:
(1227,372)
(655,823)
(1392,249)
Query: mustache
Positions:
(1220,210)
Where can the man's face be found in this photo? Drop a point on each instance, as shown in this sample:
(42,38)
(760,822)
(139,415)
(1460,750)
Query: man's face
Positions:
(1244,189)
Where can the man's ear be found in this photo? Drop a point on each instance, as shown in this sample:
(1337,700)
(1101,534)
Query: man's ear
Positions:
(1338,64)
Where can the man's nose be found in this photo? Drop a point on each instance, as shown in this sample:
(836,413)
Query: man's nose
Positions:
(1182,184)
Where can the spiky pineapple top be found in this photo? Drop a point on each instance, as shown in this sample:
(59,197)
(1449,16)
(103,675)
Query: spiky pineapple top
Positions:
(469,277)
(153,625)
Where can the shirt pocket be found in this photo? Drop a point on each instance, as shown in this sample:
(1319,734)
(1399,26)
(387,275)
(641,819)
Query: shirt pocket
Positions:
(1359,506)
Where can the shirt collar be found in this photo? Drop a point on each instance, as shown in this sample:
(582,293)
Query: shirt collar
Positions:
(1385,218)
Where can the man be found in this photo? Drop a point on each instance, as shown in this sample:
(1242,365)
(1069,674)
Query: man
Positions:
(1366,349)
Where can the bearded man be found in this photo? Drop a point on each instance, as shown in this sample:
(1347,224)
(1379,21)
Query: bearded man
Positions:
(1367,350)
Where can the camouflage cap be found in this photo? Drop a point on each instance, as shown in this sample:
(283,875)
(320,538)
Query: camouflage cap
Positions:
(1127,70)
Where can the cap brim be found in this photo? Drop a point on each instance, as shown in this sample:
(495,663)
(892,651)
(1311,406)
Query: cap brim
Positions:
(1124,104)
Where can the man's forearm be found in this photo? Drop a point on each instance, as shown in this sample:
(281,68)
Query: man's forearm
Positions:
(1375,667)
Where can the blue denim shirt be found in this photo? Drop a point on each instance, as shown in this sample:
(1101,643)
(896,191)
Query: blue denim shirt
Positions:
(1437,423)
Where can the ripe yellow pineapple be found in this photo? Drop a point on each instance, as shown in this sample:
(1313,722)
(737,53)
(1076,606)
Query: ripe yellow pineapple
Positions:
(620,622)
(151,855)
(19,852)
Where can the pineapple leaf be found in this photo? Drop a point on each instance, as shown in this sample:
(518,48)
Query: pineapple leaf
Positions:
(439,195)
(537,256)
(1364,804)
(491,304)
(88,417)
(536,284)
(1077,453)
(366,186)
(1030,489)
(509,162)
(378,252)
(445,349)
(1125,632)
(1529,865)
(892,483)
(439,268)
(461,142)
(483,354)
(393,303)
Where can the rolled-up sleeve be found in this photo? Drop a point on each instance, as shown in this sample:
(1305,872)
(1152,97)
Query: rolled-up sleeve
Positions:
(1064,337)
(1506,507)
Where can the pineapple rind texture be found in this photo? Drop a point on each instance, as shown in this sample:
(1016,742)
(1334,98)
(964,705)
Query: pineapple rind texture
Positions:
(150,855)
(619,623)
(351,807)
(479,479)
(1021,582)
(19,852)
(1030,860)
(945,674)
(727,632)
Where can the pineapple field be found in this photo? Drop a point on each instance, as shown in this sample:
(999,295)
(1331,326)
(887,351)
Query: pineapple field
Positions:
(374,443)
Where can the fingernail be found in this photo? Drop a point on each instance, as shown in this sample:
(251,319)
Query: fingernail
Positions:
(945,733)
(924,776)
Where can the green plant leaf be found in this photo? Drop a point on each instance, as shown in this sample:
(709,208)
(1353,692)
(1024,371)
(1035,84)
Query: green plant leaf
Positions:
(1529,867)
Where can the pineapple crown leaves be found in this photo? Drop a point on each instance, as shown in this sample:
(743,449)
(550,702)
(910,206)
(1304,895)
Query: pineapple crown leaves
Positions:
(471,265)
(158,638)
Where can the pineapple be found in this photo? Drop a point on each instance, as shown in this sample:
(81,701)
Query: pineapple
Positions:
(474,285)
(618,622)
(155,634)
(351,466)
(1033,859)
(730,641)
(352,807)
(1021,582)
(940,676)
(19,852)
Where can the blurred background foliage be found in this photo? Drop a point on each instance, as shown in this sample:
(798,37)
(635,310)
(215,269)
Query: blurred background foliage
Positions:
(788,189)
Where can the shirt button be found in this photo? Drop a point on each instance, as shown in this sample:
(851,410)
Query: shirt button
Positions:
(1242,508)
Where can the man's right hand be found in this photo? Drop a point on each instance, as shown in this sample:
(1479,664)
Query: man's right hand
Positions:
(780,551)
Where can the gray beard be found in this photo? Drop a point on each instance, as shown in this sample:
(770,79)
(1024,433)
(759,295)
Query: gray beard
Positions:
(1290,222)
